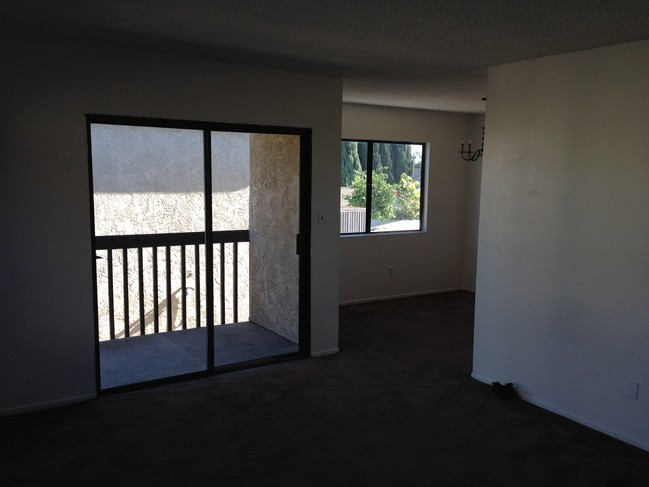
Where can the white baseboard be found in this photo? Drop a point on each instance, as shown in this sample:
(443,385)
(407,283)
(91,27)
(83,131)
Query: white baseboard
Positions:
(577,419)
(587,423)
(479,378)
(30,408)
(322,353)
(399,296)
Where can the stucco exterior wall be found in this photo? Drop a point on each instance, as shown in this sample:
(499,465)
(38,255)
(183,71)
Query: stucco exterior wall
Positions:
(150,180)
(274,223)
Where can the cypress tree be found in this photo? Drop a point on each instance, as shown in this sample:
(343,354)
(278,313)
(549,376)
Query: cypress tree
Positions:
(383,160)
(362,154)
(402,161)
(349,162)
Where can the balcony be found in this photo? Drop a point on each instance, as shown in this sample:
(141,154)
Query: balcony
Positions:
(153,296)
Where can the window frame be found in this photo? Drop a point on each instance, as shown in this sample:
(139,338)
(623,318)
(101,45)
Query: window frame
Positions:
(368,188)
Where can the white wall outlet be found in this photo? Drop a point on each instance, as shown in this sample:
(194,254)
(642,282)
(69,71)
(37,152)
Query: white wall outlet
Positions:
(390,272)
(632,389)
(321,218)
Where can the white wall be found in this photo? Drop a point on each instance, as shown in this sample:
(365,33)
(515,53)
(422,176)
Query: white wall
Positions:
(472,213)
(423,262)
(562,303)
(47,349)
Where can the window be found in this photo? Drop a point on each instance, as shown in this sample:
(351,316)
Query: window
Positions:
(381,186)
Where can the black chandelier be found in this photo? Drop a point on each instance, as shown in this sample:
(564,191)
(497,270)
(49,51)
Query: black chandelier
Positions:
(468,154)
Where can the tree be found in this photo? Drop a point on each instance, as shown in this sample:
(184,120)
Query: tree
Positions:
(383,159)
(362,154)
(402,161)
(349,162)
(359,186)
(408,199)
(383,194)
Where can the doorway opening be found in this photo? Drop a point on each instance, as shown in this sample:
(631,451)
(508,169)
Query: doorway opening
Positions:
(197,267)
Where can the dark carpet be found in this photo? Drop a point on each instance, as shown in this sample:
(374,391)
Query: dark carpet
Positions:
(396,407)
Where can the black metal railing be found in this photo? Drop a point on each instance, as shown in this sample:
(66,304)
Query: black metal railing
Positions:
(151,251)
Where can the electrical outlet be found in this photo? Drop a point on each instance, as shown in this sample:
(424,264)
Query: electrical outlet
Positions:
(390,272)
(321,218)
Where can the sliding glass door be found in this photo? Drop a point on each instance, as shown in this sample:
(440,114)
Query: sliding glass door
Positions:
(196,252)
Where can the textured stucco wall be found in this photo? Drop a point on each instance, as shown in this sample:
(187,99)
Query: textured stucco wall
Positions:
(230,180)
(274,222)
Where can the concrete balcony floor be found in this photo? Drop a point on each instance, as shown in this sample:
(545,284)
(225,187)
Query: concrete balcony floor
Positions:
(144,358)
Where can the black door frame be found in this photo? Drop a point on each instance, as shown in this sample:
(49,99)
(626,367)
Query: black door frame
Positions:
(303,239)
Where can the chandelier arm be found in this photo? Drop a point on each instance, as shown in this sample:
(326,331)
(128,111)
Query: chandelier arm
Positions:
(471,156)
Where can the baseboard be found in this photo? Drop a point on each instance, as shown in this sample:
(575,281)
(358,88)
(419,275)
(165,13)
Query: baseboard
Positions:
(573,417)
(30,408)
(322,353)
(587,423)
(479,378)
(400,296)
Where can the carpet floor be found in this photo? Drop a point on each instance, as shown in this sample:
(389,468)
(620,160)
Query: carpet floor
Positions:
(396,407)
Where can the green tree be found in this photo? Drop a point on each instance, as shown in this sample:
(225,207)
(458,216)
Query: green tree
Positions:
(349,162)
(383,194)
(359,186)
(402,161)
(362,154)
(395,159)
(408,197)
(410,160)
(383,159)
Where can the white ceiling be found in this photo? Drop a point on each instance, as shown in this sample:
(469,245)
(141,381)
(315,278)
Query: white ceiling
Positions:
(412,53)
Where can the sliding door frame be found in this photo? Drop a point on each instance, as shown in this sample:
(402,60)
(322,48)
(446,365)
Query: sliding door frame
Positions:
(303,238)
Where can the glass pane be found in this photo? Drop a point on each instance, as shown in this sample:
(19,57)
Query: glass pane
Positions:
(230,181)
(353,186)
(396,187)
(147,180)
(256,188)
(151,296)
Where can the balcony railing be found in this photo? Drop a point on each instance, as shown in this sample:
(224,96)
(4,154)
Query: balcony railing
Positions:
(144,282)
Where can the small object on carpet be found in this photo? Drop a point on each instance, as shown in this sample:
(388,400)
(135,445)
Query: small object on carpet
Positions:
(506,391)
